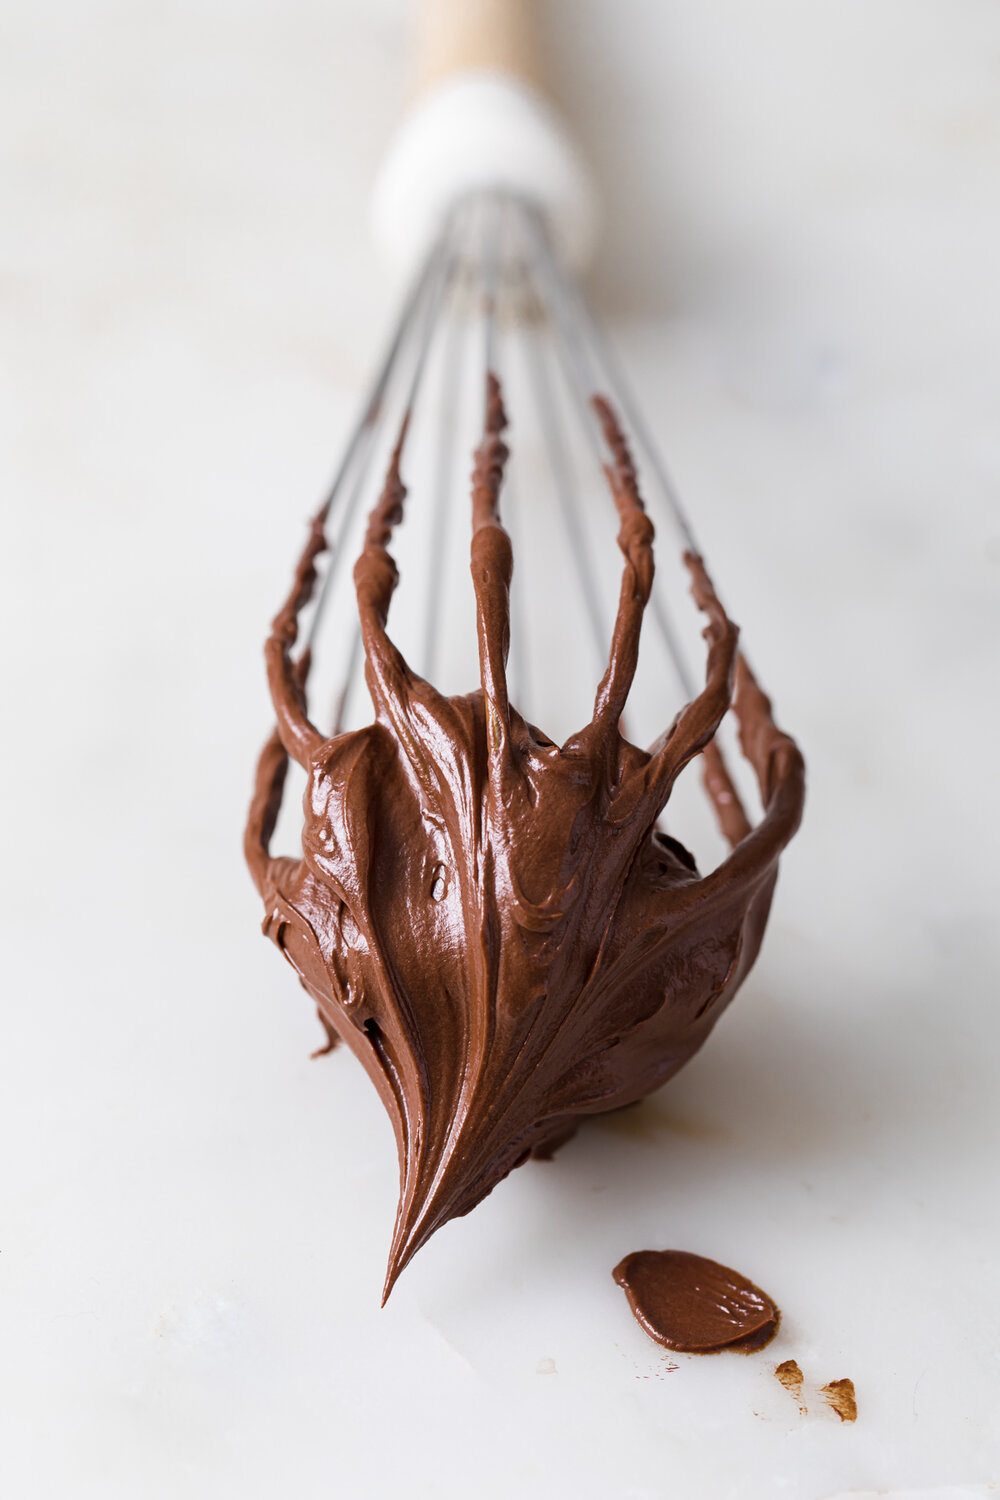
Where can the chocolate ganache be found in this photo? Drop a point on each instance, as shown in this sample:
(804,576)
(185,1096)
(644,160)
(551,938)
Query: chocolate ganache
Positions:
(493,922)
(694,1304)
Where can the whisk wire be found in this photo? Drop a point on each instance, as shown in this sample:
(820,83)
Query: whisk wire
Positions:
(361,442)
(493,260)
(446,453)
(562,479)
(422,318)
(590,365)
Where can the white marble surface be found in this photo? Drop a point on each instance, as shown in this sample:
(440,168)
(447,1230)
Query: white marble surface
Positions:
(802,269)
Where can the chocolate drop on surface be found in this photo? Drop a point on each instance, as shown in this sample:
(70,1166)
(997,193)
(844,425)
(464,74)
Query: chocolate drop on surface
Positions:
(695,1305)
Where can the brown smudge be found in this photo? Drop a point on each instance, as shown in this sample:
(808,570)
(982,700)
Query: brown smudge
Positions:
(694,1305)
(790,1376)
(839,1394)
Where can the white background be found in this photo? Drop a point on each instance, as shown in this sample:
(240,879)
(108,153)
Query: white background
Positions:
(801,265)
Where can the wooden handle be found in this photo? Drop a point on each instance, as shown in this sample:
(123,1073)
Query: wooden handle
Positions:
(456,36)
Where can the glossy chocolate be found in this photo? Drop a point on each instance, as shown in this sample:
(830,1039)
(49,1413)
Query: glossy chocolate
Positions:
(692,1304)
(492,921)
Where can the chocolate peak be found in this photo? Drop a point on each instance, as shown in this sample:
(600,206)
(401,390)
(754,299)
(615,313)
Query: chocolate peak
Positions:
(491,921)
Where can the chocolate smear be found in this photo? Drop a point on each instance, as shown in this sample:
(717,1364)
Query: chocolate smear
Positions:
(790,1376)
(494,923)
(695,1305)
(839,1395)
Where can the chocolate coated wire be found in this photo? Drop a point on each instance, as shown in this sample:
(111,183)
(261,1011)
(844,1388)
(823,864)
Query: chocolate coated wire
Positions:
(500,245)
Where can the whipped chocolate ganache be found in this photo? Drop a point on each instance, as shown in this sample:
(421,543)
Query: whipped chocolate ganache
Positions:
(694,1305)
(492,922)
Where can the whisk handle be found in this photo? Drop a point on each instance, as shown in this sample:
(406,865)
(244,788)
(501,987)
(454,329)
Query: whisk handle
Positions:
(480,123)
(458,36)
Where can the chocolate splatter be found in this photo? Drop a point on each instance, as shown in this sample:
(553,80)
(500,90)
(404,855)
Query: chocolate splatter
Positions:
(839,1394)
(791,1377)
(695,1305)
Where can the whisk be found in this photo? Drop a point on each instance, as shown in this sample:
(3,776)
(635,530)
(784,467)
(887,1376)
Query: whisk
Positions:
(486,910)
